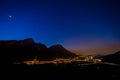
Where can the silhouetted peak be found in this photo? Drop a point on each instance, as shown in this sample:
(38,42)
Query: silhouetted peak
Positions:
(114,58)
(28,41)
(115,54)
(118,52)
(40,46)
(58,46)
(58,51)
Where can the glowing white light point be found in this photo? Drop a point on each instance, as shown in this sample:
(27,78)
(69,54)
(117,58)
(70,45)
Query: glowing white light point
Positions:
(10,16)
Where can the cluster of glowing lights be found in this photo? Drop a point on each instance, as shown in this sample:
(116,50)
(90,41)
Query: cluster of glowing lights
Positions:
(64,61)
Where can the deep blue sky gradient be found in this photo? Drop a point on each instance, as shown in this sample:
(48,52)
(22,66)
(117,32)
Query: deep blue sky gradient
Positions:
(72,23)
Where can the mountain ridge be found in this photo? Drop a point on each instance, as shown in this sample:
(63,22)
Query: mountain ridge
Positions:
(27,49)
(113,58)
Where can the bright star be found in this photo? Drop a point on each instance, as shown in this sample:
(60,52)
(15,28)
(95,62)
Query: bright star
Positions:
(10,16)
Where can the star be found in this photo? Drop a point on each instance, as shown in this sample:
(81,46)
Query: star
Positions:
(10,16)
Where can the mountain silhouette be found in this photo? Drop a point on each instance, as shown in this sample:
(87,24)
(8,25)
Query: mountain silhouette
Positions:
(55,51)
(113,58)
(18,51)
(59,50)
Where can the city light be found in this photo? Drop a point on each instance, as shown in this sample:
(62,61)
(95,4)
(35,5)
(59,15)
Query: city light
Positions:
(65,61)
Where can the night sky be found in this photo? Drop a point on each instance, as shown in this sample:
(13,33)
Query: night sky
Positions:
(79,25)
